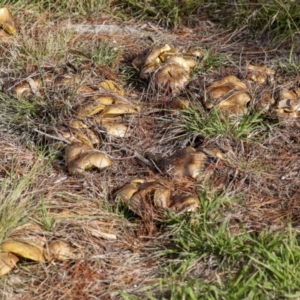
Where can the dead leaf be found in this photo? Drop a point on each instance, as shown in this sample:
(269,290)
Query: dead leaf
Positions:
(96,229)
(85,89)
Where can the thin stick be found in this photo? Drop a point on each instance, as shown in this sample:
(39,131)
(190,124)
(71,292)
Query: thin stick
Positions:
(52,136)
(145,161)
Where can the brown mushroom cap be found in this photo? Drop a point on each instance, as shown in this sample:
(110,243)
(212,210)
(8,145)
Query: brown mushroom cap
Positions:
(111,86)
(185,162)
(187,63)
(24,249)
(7,22)
(140,199)
(119,109)
(185,203)
(87,161)
(94,107)
(172,76)
(289,103)
(115,128)
(236,83)
(228,93)
(150,56)
(7,262)
(238,99)
(260,74)
(126,192)
(75,150)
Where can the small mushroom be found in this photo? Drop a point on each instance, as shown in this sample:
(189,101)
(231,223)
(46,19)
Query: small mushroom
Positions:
(60,250)
(260,74)
(94,107)
(7,262)
(120,109)
(265,102)
(7,23)
(28,87)
(172,76)
(115,128)
(229,94)
(81,157)
(185,162)
(168,67)
(185,203)
(150,56)
(143,197)
(232,80)
(178,103)
(88,137)
(111,86)
(187,63)
(289,103)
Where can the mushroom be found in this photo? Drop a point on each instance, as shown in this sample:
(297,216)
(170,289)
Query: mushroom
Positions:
(228,94)
(260,74)
(81,157)
(7,23)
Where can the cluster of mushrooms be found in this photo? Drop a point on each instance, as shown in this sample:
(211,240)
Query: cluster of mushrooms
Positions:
(167,70)
(28,241)
(104,110)
(102,107)
(139,194)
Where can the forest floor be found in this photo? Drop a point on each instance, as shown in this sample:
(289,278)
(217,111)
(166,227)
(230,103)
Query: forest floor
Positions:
(243,241)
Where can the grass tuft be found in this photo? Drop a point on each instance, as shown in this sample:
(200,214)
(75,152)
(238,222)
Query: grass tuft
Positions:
(215,263)
(278,19)
(168,13)
(19,197)
(214,123)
